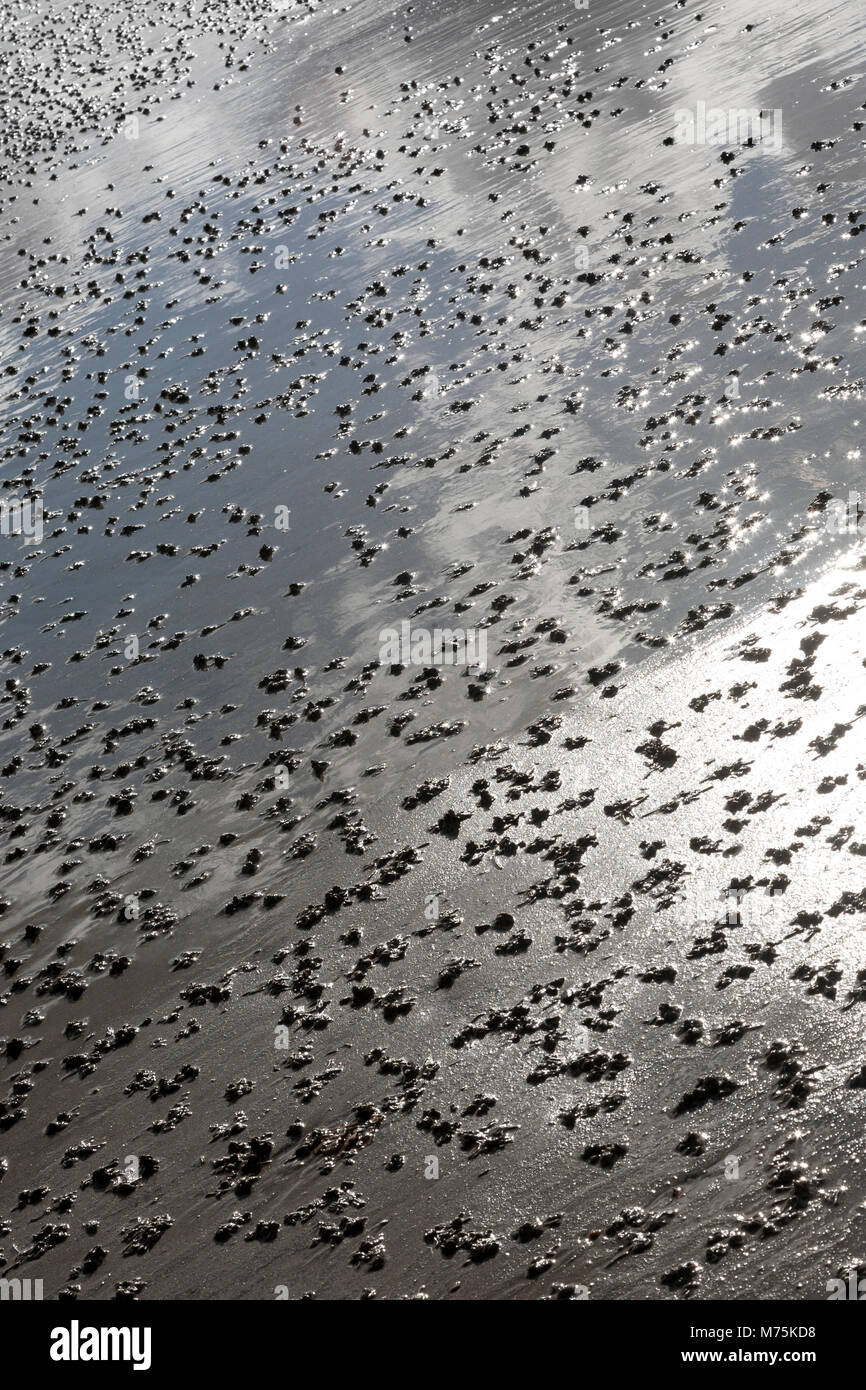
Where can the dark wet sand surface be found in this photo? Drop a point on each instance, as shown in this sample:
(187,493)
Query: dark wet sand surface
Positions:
(318,322)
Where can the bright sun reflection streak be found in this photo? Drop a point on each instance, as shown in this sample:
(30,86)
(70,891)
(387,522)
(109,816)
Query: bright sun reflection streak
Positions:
(797,721)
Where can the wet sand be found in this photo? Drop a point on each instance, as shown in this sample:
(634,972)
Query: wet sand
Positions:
(328,975)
